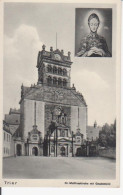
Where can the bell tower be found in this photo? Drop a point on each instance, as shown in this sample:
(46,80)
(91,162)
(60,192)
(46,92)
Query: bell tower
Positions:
(54,68)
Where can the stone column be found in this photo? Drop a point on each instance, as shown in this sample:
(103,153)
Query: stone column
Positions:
(49,145)
(87,150)
(15,149)
(54,145)
(67,149)
(56,141)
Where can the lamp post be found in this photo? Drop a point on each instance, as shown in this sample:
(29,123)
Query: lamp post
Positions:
(87,148)
(56,141)
(49,144)
(72,144)
(27,147)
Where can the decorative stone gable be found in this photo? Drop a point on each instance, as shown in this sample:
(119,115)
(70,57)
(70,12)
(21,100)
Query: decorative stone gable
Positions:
(34,136)
(55,113)
(54,95)
(78,137)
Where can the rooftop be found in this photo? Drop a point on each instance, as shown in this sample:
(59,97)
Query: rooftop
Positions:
(49,93)
(54,56)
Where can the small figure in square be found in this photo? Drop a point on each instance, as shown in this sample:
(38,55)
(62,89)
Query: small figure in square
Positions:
(93,45)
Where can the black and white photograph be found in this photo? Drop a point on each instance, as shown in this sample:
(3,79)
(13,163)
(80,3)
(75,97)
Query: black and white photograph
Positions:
(93,36)
(60,118)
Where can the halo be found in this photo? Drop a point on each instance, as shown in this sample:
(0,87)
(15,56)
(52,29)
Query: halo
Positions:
(101,18)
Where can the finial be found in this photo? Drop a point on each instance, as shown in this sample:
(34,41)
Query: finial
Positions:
(62,51)
(73,87)
(95,124)
(69,53)
(51,48)
(43,47)
(22,90)
(78,129)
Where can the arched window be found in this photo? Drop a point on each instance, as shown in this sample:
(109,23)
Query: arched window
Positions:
(64,72)
(63,120)
(60,71)
(62,133)
(54,81)
(49,68)
(18,149)
(49,80)
(54,70)
(64,82)
(59,82)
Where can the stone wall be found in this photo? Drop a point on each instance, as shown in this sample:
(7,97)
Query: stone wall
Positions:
(109,153)
(12,149)
(8,145)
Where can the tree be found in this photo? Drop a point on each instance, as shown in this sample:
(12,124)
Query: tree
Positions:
(107,137)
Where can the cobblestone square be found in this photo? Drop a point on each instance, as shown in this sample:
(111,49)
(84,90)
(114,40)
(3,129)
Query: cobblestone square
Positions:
(59,168)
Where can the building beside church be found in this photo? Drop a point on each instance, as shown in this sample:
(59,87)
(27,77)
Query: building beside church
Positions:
(93,132)
(13,119)
(53,115)
(8,144)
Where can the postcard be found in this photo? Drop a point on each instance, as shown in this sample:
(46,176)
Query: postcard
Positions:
(60,86)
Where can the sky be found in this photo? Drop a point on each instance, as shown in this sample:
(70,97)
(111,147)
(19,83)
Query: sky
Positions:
(27,26)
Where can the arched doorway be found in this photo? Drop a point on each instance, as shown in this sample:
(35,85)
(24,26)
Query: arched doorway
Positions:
(62,151)
(92,151)
(79,152)
(18,150)
(35,151)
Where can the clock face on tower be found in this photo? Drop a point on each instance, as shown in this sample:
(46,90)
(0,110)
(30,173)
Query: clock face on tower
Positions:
(57,56)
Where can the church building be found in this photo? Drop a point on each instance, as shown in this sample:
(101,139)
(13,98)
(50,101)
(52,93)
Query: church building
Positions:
(53,115)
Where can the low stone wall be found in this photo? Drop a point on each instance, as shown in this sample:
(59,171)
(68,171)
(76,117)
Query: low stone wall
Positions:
(109,153)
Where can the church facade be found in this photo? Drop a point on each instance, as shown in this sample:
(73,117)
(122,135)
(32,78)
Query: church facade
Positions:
(53,115)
